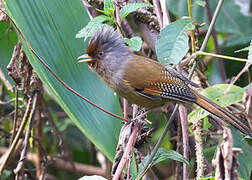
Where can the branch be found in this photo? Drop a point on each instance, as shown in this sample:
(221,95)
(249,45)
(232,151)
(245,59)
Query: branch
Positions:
(126,152)
(166,16)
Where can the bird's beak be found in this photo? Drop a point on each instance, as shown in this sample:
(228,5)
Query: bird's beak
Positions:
(84,58)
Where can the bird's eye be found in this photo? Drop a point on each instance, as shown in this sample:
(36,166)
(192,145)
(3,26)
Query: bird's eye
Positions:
(101,53)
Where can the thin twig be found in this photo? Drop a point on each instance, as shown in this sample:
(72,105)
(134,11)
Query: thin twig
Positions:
(160,140)
(210,29)
(208,34)
(244,69)
(59,79)
(189,5)
(200,53)
(10,101)
(27,136)
(87,6)
(185,135)
(15,116)
(117,13)
(166,16)
(126,152)
(216,44)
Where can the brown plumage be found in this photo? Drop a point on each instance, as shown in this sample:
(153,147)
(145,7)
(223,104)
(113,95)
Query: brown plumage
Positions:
(143,81)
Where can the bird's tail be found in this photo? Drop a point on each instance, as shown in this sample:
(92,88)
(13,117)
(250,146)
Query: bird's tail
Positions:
(223,114)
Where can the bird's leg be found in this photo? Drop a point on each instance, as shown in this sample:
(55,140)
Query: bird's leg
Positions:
(163,109)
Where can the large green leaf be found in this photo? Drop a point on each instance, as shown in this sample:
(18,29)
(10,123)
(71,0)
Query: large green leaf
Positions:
(50,28)
(172,44)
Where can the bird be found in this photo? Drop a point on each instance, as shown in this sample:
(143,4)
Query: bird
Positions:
(144,81)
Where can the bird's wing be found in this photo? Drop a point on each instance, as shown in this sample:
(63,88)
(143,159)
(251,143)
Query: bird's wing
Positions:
(152,80)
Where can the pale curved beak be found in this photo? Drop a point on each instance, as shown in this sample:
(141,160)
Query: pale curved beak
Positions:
(84,58)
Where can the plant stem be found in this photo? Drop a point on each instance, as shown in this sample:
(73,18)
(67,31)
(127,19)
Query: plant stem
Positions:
(185,137)
(189,5)
(200,53)
(159,13)
(209,31)
(216,44)
(160,140)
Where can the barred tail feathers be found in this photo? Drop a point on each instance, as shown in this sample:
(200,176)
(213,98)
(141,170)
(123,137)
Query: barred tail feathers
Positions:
(223,114)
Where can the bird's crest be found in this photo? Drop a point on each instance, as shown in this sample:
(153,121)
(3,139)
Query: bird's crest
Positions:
(106,38)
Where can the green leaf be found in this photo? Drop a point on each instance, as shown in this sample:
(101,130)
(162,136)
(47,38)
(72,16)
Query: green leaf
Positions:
(161,155)
(135,43)
(109,7)
(6,175)
(216,94)
(172,44)
(95,177)
(93,26)
(245,158)
(133,167)
(52,36)
(200,3)
(206,124)
(129,8)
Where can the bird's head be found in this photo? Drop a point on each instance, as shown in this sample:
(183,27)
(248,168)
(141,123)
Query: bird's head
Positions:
(106,50)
